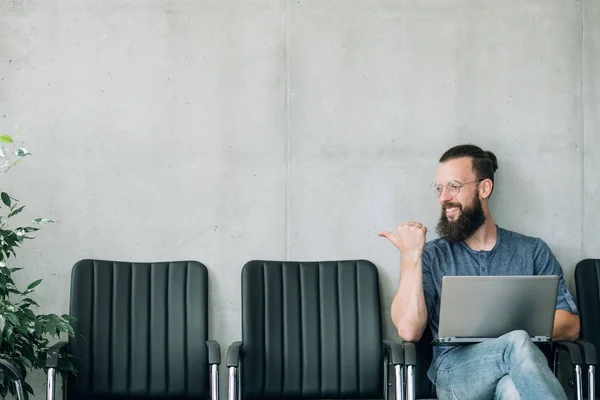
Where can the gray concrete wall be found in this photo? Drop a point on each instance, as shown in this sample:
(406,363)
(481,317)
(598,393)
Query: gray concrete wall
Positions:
(225,131)
(591,90)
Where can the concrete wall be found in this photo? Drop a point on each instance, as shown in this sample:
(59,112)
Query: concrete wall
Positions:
(591,132)
(224,131)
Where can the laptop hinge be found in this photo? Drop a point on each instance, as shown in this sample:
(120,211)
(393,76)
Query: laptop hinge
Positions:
(541,339)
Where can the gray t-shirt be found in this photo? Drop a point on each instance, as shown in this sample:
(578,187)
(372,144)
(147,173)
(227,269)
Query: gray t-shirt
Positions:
(513,254)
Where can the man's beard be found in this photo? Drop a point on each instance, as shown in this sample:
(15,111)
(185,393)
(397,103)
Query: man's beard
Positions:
(469,220)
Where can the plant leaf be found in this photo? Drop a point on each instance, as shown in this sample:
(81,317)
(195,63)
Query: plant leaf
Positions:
(23,152)
(5,198)
(15,212)
(9,330)
(33,284)
(29,301)
(51,328)
(42,221)
(26,361)
(28,388)
(6,139)
(13,319)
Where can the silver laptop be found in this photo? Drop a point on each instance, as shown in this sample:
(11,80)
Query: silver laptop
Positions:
(478,308)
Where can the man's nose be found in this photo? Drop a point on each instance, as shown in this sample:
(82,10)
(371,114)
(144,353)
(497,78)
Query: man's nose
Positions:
(445,196)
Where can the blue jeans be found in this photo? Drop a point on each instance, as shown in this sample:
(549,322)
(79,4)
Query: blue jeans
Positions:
(510,367)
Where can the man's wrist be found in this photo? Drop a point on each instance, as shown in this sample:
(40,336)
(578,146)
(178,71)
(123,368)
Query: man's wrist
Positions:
(412,259)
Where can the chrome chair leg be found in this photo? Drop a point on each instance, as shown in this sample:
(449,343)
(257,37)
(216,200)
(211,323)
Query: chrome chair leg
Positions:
(410,382)
(19,390)
(214,382)
(232,393)
(592,382)
(398,369)
(578,385)
(51,384)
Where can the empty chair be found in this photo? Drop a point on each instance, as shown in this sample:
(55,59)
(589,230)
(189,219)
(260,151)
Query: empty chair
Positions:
(311,330)
(141,332)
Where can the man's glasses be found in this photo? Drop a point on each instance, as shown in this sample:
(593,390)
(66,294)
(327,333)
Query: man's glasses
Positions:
(452,187)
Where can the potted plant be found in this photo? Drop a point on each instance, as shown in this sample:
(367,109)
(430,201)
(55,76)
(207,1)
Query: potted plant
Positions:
(25,338)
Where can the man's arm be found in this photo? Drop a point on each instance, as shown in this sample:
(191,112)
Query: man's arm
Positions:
(566,318)
(409,311)
(566,326)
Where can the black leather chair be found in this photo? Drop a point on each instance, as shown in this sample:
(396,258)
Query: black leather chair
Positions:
(419,355)
(141,332)
(312,330)
(587,281)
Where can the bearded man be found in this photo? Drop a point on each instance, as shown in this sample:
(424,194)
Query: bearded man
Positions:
(470,243)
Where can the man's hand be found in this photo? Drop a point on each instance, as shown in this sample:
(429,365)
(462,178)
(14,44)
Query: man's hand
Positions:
(410,239)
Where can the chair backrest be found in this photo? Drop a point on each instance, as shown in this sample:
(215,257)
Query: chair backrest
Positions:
(587,284)
(311,330)
(141,330)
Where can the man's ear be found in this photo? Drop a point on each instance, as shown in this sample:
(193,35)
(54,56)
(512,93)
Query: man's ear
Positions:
(485,188)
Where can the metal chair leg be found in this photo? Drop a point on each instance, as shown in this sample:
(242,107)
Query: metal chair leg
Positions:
(232,393)
(51,384)
(19,390)
(410,383)
(398,369)
(578,383)
(591,382)
(214,382)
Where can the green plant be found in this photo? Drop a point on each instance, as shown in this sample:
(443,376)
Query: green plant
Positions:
(25,339)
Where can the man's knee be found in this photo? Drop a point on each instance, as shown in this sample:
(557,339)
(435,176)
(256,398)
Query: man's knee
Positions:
(519,346)
(518,338)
